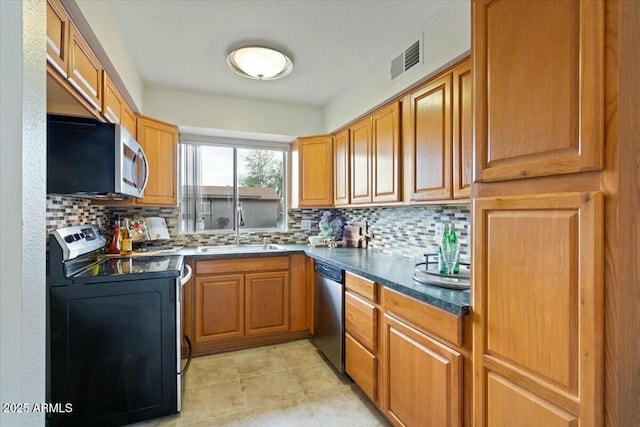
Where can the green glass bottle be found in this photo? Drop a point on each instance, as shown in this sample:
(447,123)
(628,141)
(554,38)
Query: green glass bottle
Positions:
(453,238)
(448,241)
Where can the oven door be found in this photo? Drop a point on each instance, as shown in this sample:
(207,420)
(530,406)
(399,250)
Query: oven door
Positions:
(180,282)
(132,168)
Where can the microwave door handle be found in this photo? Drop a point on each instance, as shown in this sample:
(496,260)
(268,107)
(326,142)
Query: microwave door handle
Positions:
(146,168)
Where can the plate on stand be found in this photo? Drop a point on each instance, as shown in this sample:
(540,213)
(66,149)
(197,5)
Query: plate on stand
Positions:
(460,281)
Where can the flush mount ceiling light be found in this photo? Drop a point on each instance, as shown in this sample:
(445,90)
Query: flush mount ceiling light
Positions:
(260,63)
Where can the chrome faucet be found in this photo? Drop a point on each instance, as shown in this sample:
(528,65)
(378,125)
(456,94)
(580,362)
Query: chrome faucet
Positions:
(239,222)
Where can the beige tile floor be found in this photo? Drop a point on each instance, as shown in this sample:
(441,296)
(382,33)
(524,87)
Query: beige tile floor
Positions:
(279,385)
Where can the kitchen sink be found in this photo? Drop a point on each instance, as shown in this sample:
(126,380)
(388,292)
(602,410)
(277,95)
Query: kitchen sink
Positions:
(239,248)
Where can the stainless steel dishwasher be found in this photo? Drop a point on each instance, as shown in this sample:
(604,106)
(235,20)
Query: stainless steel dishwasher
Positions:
(329,313)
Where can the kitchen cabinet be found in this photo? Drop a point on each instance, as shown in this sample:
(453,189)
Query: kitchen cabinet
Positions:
(423,378)
(539,86)
(115,109)
(219,307)
(341,168)
(58,23)
(240,302)
(84,70)
(128,119)
(549,231)
(360,158)
(159,141)
(112,102)
(266,302)
(462,137)
(385,154)
(423,354)
(538,344)
(375,156)
(428,142)
(361,334)
(313,159)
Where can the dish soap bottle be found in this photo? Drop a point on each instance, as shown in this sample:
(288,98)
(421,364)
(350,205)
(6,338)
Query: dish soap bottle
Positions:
(117,237)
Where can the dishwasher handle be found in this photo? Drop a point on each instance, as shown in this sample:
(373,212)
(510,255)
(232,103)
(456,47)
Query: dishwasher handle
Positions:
(334,273)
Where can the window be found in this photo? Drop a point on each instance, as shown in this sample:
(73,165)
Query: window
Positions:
(217,179)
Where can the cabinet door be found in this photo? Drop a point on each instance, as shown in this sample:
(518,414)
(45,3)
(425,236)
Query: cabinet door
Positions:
(341,168)
(429,141)
(128,119)
(84,71)
(462,131)
(360,139)
(386,154)
(361,365)
(537,305)
(219,307)
(111,100)
(58,23)
(160,144)
(361,321)
(316,171)
(538,82)
(267,302)
(423,378)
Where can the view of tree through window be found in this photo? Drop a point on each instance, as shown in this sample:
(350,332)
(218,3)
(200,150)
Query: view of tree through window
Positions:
(210,183)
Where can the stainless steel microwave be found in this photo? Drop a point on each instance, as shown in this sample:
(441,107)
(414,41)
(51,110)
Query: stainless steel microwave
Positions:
(92,159)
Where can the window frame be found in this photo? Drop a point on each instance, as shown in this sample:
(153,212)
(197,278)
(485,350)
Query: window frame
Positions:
(235,144)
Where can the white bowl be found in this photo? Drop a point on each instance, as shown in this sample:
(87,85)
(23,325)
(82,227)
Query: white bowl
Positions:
(315,240)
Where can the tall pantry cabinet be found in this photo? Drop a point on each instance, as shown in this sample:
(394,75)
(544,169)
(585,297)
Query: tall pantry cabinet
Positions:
(555,200)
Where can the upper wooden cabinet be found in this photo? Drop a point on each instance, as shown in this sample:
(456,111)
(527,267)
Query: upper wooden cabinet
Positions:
(112,102)
(341,168)
(427,142)
(375,156)
(539,87)
(84,70)
(159,141)
(115,108)
(360,158)
(462,131)
(385,155)
(128,119)
(58,23)
(315,171)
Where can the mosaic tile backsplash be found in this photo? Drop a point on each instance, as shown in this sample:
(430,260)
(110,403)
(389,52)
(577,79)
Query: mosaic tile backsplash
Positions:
(409,231)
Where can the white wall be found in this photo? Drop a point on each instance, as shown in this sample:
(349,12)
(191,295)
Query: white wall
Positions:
(101,18)
(198,110)
(447,37)
(22,207)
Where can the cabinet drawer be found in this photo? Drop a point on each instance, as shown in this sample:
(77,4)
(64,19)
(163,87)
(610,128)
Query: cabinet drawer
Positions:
(242,265)
(361,366)
(431,320)
(361,321)
(361,286)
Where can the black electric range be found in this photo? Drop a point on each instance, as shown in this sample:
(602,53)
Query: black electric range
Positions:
(114,331)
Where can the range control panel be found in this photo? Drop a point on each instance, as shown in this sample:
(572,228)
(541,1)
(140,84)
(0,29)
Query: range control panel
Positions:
(79,240)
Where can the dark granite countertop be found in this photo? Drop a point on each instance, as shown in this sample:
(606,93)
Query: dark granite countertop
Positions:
(392,271)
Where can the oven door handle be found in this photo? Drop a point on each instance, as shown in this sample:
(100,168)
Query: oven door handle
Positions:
(186,275)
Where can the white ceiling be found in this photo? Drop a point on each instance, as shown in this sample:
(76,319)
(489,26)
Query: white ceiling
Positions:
(184,43)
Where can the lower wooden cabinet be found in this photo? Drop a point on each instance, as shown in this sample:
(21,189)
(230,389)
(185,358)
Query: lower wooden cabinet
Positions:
(422,378)
(361,333)
(362,366)
(219,308)
(266,302)
(239,302)
(539,362)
